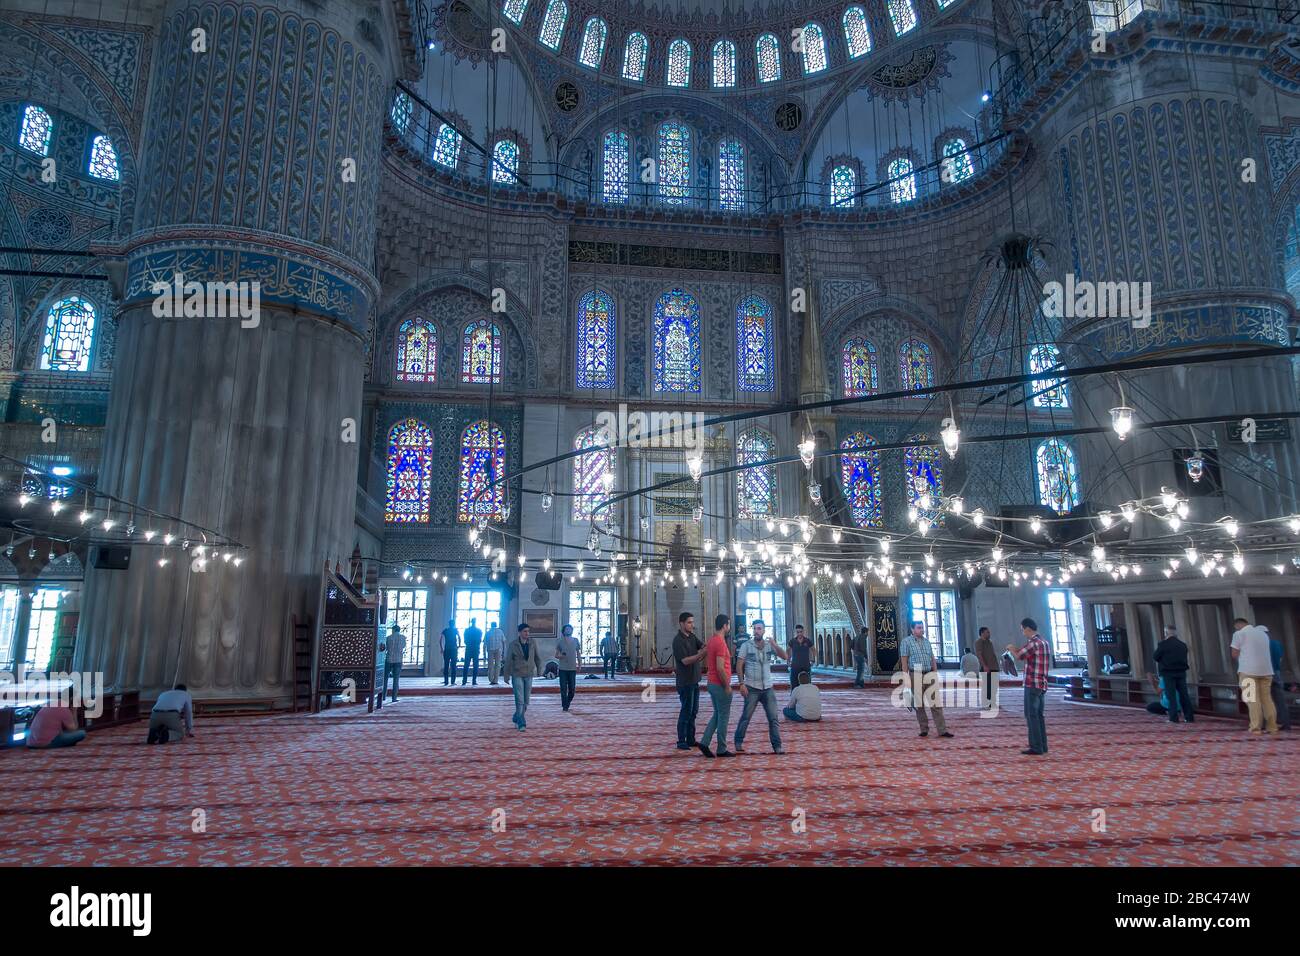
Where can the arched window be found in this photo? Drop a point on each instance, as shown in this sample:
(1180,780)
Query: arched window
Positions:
(924,472)
(410,471)
(400,115)
(767,52)
(417,351)
(861,371)
(915,365)
(731,174)
(860,479)
(482,462)
(596,340)
(1058,476)
(679,63)
(505,162)
(103,159)
(614,182)
(593,43)
(844,185)
(37,128)
(480,357)
(589,496)
(446,146)
(756,486)
(857,35)
(674,163)
(957,165)
(69,332)
(1048,392)
(903,15)
(634,54)
(902,181)
(677,342)
(754,349)
(557,11)
(813,44)
(515,10)
(724,63)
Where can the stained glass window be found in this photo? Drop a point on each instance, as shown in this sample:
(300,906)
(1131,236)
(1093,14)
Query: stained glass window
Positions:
(103,158)
(861,371)
(903,15)
(557,11)
(410,471)
(724,63)
(634,54)
(615,166)
(589,497)
(400,115)
(844,185)
(505,162)
(731,174)
(417,351)
(915,364)
(768,53)
(860,479)
(679,63)
(69,331)
(482,462)
(480,359)
(1050,391)
(1058,476)
(515,10)
(924,472)
(677,342)
(902,181)
(814,49)
(36,130)
(446,146)
(754,350)
(957,164)
(593,43)
(856,32)
(596,341)
(674,163)
(756,486)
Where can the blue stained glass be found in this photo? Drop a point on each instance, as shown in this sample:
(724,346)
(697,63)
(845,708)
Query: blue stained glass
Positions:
(589,498)
(679,63)
(1058,476)
(844,186)
(417,351)
(956,161)
(861,372)
(593,43)
(596,340)
(37,128)
(902,181)
(480,360)
(103,158)
(856,32)
(814,48)
(410,472)
(482,462)
(903,16)
(677,342)
(724,63)
(69,331)
(754,351)
(505,162)
(1051,391)
(400,115)
(446,147)
(615,164)
(924,472)
(768,53)
(674,163)
(731,174)
(634,55)
(557,11)
(515,10)
(860,479)
(756,486)
(915,365)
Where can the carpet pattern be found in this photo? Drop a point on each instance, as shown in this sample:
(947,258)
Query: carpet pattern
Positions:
(448,780)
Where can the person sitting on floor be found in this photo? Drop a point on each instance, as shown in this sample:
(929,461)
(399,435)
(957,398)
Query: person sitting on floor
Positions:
(172,717)
(1159,707)
(805,701)
(54,727)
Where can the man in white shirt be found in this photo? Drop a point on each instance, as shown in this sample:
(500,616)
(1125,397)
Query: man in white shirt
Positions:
(805,701)
(567,657)
(970,664)
(172,717)
(394,650)
(1255,670)
(496,646)
(754,672)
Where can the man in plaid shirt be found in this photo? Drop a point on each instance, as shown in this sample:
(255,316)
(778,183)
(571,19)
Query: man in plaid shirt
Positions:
(1035,655)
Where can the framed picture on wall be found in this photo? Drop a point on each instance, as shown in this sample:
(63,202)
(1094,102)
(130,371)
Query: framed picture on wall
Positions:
(541,621)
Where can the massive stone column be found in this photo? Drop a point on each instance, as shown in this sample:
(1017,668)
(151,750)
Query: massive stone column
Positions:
(252,131)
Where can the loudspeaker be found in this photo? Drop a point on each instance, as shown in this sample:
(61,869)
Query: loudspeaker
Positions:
(112,558)
(549,580)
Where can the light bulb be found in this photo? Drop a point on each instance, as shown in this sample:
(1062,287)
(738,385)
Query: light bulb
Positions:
(997,555)
(108,524)
(84,517)
(1168,499)
(546,501)
(1128,511)
(951,436)
(695,464)
(1035,525)
(884,546)
(1121,419)
(1192,556)
(697,514)
(923,525)
(1183,510)
(1230,525)
(1238,563)
(925,501)
(1195,467)
(956,504)
(807,451)
(150,534)
(977,516)
(835,535)
(1098,553)
(607,479)
(1106,519)
(1294,524)
(1175,522)
(56,506)
(168,539)
(814,492)
(24,499)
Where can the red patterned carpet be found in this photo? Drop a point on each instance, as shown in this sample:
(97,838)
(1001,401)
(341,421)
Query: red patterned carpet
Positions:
(419,783)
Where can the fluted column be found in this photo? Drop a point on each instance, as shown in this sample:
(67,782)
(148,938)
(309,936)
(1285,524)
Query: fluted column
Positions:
(249,151)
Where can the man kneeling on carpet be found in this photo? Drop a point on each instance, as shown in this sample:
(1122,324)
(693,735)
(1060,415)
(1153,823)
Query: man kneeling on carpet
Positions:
(805,701)
(172,717)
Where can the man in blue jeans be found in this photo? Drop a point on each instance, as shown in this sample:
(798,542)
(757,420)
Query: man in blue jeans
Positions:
(522,664)
(754,674)
(801,652)
(688,652)
(1037,657)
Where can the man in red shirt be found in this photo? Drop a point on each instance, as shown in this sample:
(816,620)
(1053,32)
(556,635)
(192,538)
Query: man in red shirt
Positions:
(718,659)
(1036,656)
